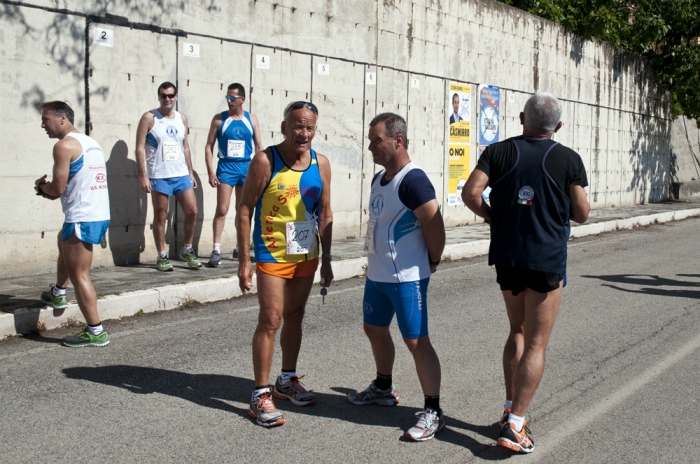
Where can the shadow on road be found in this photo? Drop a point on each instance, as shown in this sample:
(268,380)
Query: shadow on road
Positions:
(653,280)
(216,391)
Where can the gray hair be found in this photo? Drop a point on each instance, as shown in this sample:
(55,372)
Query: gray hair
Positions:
(394,125)
(543,111)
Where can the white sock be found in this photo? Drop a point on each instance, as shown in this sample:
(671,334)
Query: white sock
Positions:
(162,254)
(286,376)
(516,420)
(217,247)
(508,404)
(58,291)
(96,330)
(185,248)
(258,392)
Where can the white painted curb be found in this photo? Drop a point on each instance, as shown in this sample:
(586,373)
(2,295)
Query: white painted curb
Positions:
(207,291)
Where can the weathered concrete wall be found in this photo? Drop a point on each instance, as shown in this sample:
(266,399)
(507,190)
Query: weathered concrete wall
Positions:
(613,115)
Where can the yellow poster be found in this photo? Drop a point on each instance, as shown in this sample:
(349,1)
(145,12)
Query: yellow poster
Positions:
(459,106)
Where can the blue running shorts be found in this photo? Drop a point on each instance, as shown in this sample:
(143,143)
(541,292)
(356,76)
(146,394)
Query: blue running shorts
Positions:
(232,172)
(88,232)
(172,185)
(407,299)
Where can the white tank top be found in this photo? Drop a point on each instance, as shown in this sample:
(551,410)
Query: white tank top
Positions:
(395,246)
(165,148)
(86,198)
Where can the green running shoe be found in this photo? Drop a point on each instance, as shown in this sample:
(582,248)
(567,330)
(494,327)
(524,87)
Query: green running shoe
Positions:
(163,264)
(57,302)
(190,258)
(85,338)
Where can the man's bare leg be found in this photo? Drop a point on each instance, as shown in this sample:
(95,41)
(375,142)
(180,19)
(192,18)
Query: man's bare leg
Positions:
(296,293)
(77,256)
(427,364)
(540,313)
(271,299)
(223,202)
(188,203)
(62,276)
(160,215)
(382,348)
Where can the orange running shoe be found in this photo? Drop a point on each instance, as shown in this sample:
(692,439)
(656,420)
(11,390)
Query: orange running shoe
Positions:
(520,442)
(263,410)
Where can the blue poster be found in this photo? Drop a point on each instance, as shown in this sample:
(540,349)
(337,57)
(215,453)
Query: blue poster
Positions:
(489,102)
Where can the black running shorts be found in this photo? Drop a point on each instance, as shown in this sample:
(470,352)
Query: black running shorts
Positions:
(517,280)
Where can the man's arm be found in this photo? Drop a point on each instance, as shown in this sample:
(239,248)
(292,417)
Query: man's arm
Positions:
(258,176)
(145,125)
(257,138)
(63,152)
(471,194)
(325,220)
(433,230)
(579,204)
(209,149)
(186,148)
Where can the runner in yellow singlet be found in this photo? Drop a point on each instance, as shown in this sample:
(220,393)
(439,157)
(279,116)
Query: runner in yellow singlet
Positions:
(287,196)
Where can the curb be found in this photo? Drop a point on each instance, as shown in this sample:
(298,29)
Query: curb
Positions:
(208,291)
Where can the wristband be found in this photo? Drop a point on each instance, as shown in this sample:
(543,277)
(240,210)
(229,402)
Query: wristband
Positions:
(435,263)
(327,256)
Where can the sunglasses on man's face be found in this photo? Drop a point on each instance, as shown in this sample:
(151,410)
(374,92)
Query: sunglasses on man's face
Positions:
(233,98)
(299,105)
(163,96)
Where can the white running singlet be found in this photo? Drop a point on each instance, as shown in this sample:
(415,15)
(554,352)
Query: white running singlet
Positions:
(86,198)
(396,248)
(165,147)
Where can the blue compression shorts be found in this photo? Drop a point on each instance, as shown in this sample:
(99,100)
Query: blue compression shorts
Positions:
(232,173)
(407,299)
(172,185)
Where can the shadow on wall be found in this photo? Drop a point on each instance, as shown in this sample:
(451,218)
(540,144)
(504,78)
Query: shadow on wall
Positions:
(128,206)
(650,160)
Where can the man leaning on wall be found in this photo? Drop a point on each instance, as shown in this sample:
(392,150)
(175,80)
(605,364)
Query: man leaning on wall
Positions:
(537,185)
(165,168)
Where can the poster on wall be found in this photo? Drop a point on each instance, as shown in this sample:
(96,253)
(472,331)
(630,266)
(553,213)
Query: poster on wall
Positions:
(489,127)
(459,105)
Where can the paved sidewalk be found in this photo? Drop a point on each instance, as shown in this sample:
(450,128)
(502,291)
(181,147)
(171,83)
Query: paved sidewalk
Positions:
(125,290)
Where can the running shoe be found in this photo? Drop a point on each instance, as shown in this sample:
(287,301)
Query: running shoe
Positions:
(163,264)
(263,410)
(429,423)
(373,395)
(190,258)
(504,417)
(57,302)
(293,391)
(520,442)
(214,259)
(85,338)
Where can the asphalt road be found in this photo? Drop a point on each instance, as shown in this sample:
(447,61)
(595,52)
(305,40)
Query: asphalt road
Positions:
(621,383)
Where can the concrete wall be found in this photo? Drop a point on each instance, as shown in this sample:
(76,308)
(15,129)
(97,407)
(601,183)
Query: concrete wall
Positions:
(613,115)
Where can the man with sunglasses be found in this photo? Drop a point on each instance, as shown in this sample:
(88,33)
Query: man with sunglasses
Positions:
(288,187)
(165,168)
(235,131)
(404,242)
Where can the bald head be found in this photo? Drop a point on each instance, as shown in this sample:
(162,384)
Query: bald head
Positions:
(542,111)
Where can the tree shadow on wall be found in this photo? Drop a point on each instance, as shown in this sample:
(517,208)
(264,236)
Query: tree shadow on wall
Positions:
(128,207)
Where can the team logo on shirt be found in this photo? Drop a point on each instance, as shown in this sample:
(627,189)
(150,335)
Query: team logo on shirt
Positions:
(367,308)
(171,131)
(100,178)
(292,191)
(525,195)
(377,204)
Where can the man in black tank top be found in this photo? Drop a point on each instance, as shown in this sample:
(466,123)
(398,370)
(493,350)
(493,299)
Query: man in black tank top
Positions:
(537,185)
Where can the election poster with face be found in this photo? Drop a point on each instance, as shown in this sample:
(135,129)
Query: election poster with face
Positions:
(459,104)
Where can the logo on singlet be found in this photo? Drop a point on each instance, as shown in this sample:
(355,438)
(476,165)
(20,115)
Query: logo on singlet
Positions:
(525,195)
(378,204)
(100,178)
(171,131)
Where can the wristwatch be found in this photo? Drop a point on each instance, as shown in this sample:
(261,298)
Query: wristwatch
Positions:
(435,263)
(327,256)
